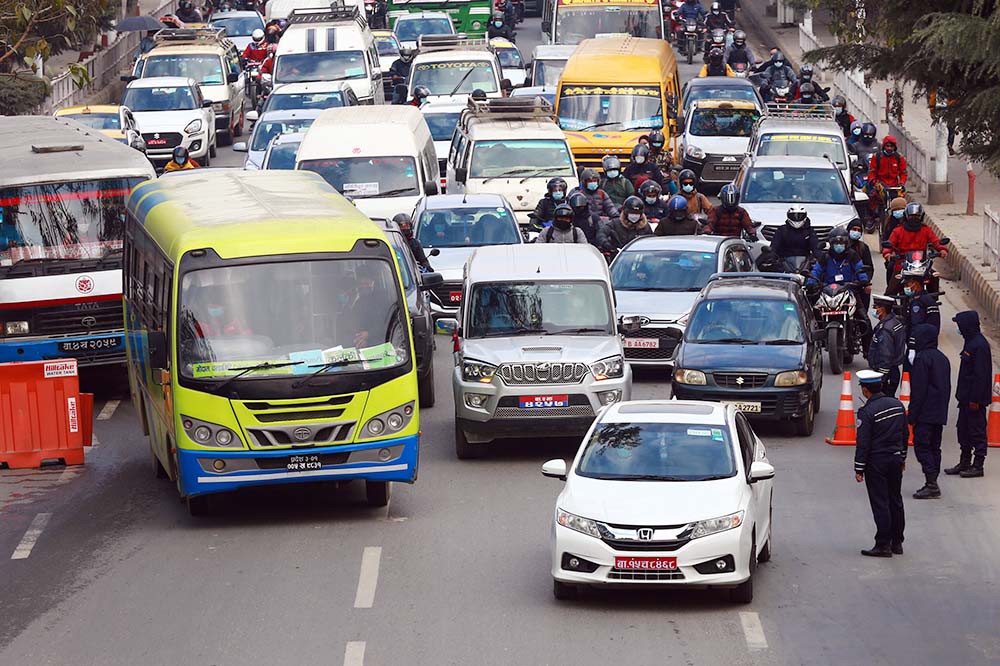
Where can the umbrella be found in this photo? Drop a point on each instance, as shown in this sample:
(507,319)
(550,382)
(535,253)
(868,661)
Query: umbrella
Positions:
(142,23)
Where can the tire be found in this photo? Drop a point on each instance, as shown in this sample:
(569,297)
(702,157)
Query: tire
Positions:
(690,51)
(426,387)
(224,138)
(833,351)
(804,424)
(564,591)
(743,593)
(378,492)
(465,450)
(158,471)
(238,128)
(213,147)
(765,551)
(198,505)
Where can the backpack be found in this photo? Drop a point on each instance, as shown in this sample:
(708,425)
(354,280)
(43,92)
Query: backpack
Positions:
(552,230)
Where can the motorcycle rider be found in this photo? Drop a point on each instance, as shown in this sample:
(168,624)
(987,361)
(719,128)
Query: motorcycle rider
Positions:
(679,221)
(618,187)
(843,118)
(730,219)
(188,13)
(420,95)
(180,160)
(698,203)
(256,50)
(716,65)
(509,13)
(399,70)
(267,67)
(739,52)
(913,234)
(663,158)
(630,225)
(718,19)
(654,207)
(562,230)
(641,168)
(600,203)
(692,10)
(888,344)
(778,69)
(405,224)
(841,266)
(498,28)
(807,93)
(806,73)
(897,213)
(546,206)
(582,217)
(888,167)
(855,137)
(796,238)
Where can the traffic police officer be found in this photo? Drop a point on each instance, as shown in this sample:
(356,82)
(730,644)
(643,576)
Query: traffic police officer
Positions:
(923,309)
(930,393)
(974,394)
(888,346)
(879,461)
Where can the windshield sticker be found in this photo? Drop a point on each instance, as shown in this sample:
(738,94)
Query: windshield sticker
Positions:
(361,189)
(813,138)
(340,355)
(354,71)
(790,307)
(583,3)
(645,91)
(501,211)
(717,434)
(695,432)
(379,356)
(230,368)
(460,64)
(778,175)
(310,357)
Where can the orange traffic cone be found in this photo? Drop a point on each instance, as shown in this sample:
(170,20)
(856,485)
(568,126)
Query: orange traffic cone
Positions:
(904,397)
(993,424)
(845,434)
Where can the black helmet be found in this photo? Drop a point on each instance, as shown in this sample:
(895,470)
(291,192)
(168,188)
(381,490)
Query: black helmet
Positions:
(729,196)
(739,38)
(686,175)
(556,184)
(778,59)
(650,188)
(588,174)
(405,224)
(640,153)
(611,163)
(914,216)
(839,235)
(807,91)
(562,217)
(806,72)
(421,92)
(838,101)
(633,204)
(578,201)
(478,94)
(868,131)
(180,155)
(656,139)
(407,54)
(715,56)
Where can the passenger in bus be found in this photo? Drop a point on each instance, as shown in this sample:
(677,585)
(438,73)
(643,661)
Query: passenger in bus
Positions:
(10,235)
(370,326)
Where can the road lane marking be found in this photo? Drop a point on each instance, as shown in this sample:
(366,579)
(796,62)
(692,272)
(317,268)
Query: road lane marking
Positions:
(94,441)
(368,580)
(753,631)
(30,537)
(108,410)
(354,653)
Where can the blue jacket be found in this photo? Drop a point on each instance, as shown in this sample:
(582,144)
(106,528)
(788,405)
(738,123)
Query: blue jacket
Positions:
(888,346)
(975,371)
(882,431)
(924,309)
(830,270)
(930,379)
(692,10)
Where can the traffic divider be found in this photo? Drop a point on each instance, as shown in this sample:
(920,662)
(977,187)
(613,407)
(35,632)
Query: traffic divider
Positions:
(993,424)
(845,432)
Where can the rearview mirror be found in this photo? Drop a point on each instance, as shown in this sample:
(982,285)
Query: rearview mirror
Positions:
(431,280)
(240,147)
(252,116)
(555,469)
(629,324)
(434,252)
(128,78)
(944,240)
(757,224)
(461,174)
(233,77)
(430,188)
(759,471)
(156,348)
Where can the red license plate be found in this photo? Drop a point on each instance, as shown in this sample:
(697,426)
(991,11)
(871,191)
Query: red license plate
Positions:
(156,142)
(646,563)
(543,401)
(454,296)
(834,313)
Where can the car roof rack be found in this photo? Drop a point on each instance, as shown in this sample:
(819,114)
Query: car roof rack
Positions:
(800,111)
(190,36)
(337,12)
(459,42)
(788,277)
(509,108)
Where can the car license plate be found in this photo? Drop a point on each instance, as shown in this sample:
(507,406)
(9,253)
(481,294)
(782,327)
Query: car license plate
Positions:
(156,142)
(303,463)
(641,343)
(454,297)
(726,167)
(93,344)
(646,563)
(543,401)
(748,407)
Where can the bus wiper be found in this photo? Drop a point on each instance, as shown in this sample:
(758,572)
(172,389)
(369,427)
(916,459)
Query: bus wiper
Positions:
(596,125)
(267,365)
(461,81)
(324,367)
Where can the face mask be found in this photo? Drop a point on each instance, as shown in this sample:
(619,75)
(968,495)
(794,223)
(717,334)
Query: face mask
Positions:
(612,174)
(633,217)
(898,214)
(498,24)
(562,223)
(855,235)
(592,186)
(874,313)
(857,132)
(689,188)
(651,200)
(657,145)
(216,312)
(639,159)
(839,248)
(908,291)
(889,151)
(779,64)
(715,11)
(796,224)
(558,195)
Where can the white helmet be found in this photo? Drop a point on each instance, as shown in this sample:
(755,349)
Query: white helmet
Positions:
(257,35)
(797,217)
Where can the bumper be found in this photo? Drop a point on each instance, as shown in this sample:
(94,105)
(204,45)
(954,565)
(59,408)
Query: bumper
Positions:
(713,170)
(776,404)
(105,349)
(197,145)
(259,468)
(733,543)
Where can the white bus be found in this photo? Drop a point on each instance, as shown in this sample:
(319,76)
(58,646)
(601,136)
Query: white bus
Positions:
(63,188)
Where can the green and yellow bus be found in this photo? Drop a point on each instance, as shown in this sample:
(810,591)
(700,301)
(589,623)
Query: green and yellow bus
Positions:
(267,335)
(471,17)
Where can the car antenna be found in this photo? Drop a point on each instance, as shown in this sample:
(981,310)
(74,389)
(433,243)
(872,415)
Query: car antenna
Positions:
(538,270)
(464,197)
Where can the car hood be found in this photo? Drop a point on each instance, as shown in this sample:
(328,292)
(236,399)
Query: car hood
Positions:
(515,75)
(386,208)
(741,357)
(652,502)
(820,215)
(450,262)
(657,305)
(540,348)
(522,196)
(165,121)
(216,93)
(719,145)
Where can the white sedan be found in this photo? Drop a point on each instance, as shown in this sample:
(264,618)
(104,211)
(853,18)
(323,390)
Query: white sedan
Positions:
(669,493)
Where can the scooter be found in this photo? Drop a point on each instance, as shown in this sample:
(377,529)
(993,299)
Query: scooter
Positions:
(836,308)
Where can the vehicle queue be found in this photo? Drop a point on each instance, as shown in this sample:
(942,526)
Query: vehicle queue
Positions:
(562,245)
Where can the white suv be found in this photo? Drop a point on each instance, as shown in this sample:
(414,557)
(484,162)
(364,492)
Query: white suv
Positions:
(171,111)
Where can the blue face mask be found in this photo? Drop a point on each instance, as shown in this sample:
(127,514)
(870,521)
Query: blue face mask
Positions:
(612,174)
(651,200)
(498,24)
(839,248)
(908,291)
(856,131)
(898,214)
(855,234)
(558,195)
(216,312)
(592,186)
(689,188)
(874,313)
(657,145)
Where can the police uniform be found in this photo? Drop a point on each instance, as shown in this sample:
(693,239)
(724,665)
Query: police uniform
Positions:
(924,309)
(888,347)
(879,456)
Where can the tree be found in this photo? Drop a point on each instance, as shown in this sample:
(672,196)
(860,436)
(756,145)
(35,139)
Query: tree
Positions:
(944,48)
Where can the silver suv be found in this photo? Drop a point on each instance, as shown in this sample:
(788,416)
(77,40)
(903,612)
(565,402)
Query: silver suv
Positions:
(539,346)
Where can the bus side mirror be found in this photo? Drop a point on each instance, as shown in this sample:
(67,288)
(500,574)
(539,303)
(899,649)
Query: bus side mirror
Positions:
(156,348)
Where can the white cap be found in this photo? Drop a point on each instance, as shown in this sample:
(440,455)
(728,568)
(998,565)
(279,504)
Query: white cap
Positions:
(870,376)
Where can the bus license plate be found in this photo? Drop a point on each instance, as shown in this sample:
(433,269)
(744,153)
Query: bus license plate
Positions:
(303,463)
(93,344)
(646,563)
(748,407)
(543,401)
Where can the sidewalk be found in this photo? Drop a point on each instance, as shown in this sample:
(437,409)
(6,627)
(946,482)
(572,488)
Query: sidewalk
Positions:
(966,252)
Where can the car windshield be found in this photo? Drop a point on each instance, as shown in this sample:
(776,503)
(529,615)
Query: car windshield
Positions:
(387,46)
(723,122)
(303,312)
(319,66)
(583,108)
(663,270)
(305,101)
(575,24)
(800,186)
(282,156)
(744,93)
(206,69)
(442,124)
(160,99)
(368,177)
(467,227)
(97,121)
(547,72)
(409,30)
(70,220)
(266,130)
(502,309)
(745,321)
(805,145)
(491,159)
(509,58)
(238,26)
(441,78)
(658,452)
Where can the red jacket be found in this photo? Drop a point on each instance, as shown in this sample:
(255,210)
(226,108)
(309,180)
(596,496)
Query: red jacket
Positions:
(907,241)
(255,52)
(268,66)
(890,171)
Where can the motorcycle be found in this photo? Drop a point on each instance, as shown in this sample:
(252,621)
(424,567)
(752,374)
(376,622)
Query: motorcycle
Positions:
(518,11)
(252,78)
(780,92)
(266,85)
(670,16)
(716,40)
(691,41)
(741,70)
(915,262)
(836,309)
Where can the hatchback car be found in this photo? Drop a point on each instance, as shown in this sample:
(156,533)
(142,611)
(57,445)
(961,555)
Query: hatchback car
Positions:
(657,280)
(311,96)
(171,111)
(752,342)
(115,122)
(270,125)
(663,493)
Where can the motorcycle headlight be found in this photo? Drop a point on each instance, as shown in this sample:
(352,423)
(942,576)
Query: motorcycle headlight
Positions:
(692,377)
(704,528)
(612,367)
(791,378)
(193,126)
(477,371)
(578,523)
(694,152)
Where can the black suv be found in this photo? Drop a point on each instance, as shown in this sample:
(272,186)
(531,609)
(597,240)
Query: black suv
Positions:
(752,342)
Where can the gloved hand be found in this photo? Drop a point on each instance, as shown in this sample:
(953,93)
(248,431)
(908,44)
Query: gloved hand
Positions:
(911,355)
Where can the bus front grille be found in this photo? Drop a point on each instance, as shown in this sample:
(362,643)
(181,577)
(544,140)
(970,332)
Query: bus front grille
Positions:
(302,435)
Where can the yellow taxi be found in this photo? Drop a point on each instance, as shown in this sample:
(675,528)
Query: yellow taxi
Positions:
(113,121)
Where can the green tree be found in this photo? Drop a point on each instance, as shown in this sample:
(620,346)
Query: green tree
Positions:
(945,48)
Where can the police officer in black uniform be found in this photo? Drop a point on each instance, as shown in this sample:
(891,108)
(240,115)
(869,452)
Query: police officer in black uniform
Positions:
(888,348)
(922,309)
(879,461)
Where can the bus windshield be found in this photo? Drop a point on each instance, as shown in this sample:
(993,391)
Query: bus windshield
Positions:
(75,220)
(347,312)
(410,29)
(585,108)
(455,77)
(575,24)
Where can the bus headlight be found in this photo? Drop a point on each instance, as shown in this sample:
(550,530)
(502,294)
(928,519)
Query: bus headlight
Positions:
(389,422)
(210,434)
(16,328)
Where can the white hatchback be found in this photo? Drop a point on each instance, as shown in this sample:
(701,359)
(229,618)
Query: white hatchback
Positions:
(668,493)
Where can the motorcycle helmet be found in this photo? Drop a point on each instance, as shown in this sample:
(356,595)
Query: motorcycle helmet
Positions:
(640,153)
(807,93)
(840,241)
(650,191)
(421,93)
(557,188)
(612,166)
(778,59)
(729,196)
(914,217)
(498,19)
(478,95)
(578,202)
(806,72)
(797,217)
(180,155)
(687,181)
(677,208)
(632,210)
(656,139)
(407,54)
(868,132)
(562,218)
(589,180)
(839,103)
(405,224)
(716,8)
(739,39)
(715,56)
(257,36)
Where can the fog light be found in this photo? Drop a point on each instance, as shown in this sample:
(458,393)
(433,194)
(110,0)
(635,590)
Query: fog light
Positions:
(476,400)
(574,563)
(384,454)
(721,565)
(188,423)
(609,397)
(224,438)
(219,465)
(408,410)
(395,421)
(195,146)
(202,434)
(375,426)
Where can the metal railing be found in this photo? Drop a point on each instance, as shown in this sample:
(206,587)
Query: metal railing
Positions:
(991,239)
(918,162)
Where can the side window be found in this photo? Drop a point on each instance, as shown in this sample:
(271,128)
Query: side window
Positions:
(744,263)
(746,438)
(729,264)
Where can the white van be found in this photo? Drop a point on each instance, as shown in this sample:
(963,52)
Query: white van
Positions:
(331,44)
(382,158)
(280,9)
(451,67)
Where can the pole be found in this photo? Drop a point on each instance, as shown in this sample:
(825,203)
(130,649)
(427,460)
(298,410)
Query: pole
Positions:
(940,152)
(970,202)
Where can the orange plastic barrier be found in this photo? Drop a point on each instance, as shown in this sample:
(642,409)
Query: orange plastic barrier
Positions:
(993,424)
(43,415)
(845,433)
(904,397)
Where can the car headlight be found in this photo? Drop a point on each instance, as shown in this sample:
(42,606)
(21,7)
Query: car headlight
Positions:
(203,433)
(388,423)
(477,371)
(579,524)
(16,328)
(693,377)
(684,320)
(612,367)
(694,152)
(703,528)
(193,126)
(791,378)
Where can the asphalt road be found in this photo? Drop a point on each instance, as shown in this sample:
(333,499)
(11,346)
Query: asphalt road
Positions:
(110,569)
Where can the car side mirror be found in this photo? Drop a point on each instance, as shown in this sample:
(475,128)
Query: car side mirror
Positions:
(757,224)
(760,471)
(556,469)
(156,349)
(461,174)
(853,159)
(430,188)
(629,324)
(434,252)
(240,147)
(431,280)
(206,104)
(252,116)
(128,78)
(232,77)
